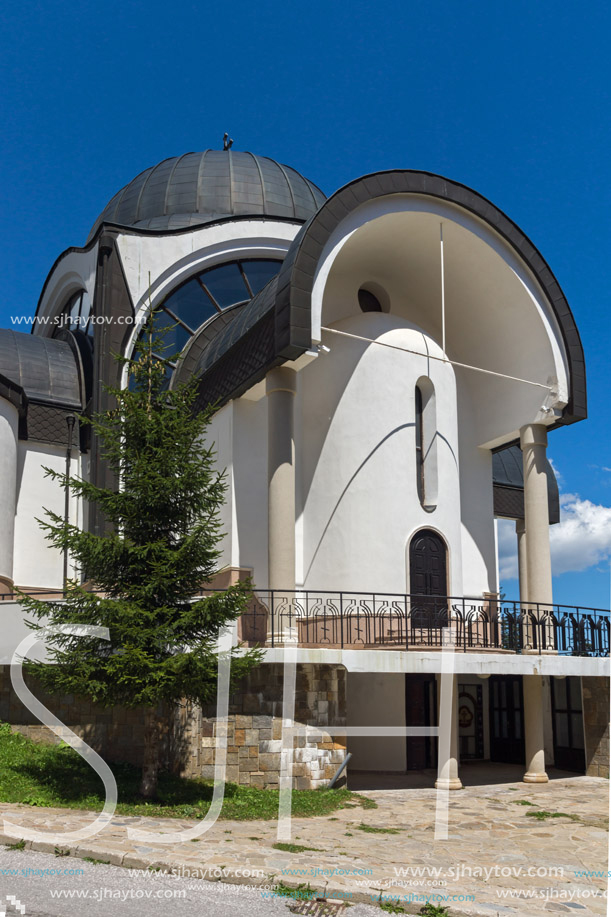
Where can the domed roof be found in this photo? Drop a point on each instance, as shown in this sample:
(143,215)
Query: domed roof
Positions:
(201,187)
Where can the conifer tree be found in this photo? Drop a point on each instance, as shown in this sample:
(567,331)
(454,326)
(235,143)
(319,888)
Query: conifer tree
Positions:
(140,576)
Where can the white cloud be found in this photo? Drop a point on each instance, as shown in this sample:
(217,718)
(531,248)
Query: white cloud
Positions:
(582,538)
(508,550)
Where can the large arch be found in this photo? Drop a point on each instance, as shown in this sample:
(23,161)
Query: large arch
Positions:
(293,306)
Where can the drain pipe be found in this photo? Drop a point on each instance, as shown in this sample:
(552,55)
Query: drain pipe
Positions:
(70,421)
(339,771)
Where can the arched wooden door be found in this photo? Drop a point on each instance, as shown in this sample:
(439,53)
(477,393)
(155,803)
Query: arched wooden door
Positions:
(428,575)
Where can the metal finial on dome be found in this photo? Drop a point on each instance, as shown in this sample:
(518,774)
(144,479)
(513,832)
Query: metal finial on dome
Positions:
(227,142)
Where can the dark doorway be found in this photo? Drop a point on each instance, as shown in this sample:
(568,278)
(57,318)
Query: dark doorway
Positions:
(567,717)
(420,710)
(506,719)
(470,722)
(428,576)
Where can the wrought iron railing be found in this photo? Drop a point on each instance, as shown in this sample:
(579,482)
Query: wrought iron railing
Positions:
(353,620)
(358,620)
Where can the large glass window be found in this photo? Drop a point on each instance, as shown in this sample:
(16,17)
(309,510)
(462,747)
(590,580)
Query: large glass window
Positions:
(205,295)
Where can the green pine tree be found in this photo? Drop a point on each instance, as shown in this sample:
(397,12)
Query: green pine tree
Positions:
(161,545)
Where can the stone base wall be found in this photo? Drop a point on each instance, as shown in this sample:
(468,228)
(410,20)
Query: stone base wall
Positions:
(254,740)
(116,733)
(595,693)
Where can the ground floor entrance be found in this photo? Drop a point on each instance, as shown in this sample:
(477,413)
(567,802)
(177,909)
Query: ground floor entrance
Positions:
(489,721)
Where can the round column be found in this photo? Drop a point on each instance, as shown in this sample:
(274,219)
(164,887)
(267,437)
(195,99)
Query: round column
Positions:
(9,423)
(522,578)
(280,390)
(534,734)
(447,744)
(533,439)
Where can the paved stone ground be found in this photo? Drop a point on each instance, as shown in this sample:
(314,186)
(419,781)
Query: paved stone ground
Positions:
(492,847)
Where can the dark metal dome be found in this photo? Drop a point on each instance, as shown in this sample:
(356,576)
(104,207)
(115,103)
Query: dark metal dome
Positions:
(201,187)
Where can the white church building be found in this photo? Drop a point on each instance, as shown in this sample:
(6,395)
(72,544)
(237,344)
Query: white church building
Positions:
(389,363)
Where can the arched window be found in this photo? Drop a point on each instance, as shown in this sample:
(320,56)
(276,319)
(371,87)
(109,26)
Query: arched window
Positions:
(76,314)
(420,445)
(425,424)
(207,294)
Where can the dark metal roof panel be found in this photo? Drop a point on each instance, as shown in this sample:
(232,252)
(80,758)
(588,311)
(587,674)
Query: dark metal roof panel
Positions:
(45,368)
(507,467)
(197,188)
(508,483)
(152,198)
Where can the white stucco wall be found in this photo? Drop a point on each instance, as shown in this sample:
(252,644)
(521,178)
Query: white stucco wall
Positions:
(496,315)
(376,700)
(9,421)
(250,487)
(36,562)
(220,437)
(478,538)
(155,265)
(357,462)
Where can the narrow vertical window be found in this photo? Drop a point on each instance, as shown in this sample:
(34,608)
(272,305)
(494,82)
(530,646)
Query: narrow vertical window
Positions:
(420,445)
(426,443)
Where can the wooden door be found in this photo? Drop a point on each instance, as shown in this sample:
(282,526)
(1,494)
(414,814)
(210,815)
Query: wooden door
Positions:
(428,578)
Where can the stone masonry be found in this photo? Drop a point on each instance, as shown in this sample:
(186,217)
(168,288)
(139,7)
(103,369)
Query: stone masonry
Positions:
(596,725)
(254,739)
(188,745)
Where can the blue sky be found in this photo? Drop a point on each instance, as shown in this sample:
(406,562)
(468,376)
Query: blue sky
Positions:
(511,99)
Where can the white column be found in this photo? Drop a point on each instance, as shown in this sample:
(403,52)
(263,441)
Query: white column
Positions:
(447,744)
(280,389)
(9,424)
(533,439)
(534,731)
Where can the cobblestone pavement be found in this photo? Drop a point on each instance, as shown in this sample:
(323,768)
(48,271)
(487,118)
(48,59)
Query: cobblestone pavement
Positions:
(495,849)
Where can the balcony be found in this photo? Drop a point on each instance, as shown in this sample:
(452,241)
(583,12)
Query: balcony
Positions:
(355,620)
(394,621)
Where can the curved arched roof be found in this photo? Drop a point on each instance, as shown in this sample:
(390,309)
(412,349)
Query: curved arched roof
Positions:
(46,369)
(202,187)
(287,316)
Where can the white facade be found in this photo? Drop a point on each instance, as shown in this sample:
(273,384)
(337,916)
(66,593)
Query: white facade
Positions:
(388,293)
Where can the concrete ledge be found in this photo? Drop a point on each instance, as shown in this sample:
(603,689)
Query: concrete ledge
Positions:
(431,661)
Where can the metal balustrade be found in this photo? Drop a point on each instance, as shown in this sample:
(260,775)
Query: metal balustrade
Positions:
(353,620)
(358,620)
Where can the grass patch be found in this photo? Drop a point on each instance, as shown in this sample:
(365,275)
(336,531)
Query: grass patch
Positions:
(542,815)
(96,862)
(292,848)
(55,775)
(371,829)
(303,892)
(20,845)
(392,907)
(434,910)
(522,802)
